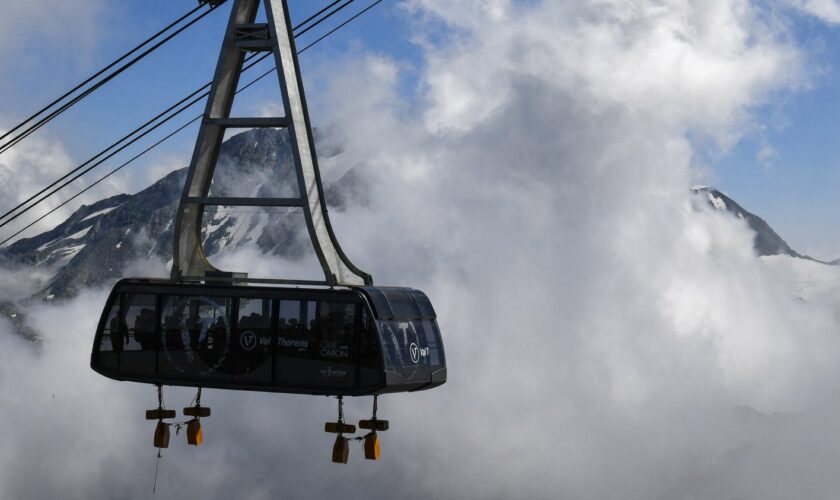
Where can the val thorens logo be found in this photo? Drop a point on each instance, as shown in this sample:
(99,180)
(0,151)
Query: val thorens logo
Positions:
(248,340)
(414,351)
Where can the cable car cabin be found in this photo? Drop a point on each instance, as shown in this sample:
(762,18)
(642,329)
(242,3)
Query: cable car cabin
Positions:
(347,341)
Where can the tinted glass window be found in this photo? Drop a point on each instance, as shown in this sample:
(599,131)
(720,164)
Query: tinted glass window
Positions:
(402,304)
(315,344)
(310,313)
(435,350)
(426,308)
(369,356)
(196,324)
(336,328)
(251,343)
(140,322)
(112,339)
(406,351)
(289,314)
(254,313)
(380,303)
(293,338)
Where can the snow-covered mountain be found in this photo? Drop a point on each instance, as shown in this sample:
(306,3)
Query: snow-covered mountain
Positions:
(767,241)
(95,244)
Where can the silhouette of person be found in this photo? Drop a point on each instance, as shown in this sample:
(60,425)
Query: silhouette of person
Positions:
(118,337)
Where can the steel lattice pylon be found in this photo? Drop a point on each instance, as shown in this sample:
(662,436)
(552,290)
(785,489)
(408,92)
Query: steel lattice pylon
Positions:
(242,35)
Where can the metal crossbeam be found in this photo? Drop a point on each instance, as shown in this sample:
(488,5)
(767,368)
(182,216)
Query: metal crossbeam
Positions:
(254,45)
(246,202)
(254,122)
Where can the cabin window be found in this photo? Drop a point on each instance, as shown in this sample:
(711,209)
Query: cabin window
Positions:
(435,352)
(111,339)
(253,327)
(250,344)
(195,323)
(335,327)
(309,314)
(402,304)
(293,338)
(369,356)
(289,315)
(140,322)
(426,309)
(254,313)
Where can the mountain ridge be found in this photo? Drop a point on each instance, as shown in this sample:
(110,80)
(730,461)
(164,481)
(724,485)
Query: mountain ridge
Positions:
(94,246)
(766,241)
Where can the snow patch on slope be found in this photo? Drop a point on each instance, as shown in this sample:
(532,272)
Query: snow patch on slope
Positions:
(100,212)
(79,234)
(716,202)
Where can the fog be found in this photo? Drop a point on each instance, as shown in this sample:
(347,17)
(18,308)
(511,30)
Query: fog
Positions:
(607,335)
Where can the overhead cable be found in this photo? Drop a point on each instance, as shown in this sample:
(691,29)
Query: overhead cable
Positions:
(117,169)
(313,16)
(332,13)
(64,107)
(167,137)
(100,72)
(107,153)
(374,4)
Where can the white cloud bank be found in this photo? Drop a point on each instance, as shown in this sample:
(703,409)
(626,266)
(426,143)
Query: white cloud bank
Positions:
(605,338)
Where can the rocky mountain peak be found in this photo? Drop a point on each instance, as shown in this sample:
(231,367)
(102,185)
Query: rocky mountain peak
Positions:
(767,241)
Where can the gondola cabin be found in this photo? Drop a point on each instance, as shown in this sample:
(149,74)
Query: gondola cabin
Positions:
(331,341)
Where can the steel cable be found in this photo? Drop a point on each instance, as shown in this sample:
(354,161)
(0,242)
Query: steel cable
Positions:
(156,144)
(64,107)
(100,72)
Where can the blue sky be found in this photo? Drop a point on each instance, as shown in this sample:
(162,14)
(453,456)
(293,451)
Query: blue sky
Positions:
(794,188)
(173,71)
(797,188)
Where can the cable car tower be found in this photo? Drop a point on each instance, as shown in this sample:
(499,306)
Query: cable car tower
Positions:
(203,328)
(243,35)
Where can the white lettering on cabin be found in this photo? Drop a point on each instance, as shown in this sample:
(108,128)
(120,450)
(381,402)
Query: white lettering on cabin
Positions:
(299,344)
(417,352)
(333,350)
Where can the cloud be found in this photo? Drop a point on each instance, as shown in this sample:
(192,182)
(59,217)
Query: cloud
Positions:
(34,164)
(607,336)
(825,10)
(37,41)
(67,26)
(44,36)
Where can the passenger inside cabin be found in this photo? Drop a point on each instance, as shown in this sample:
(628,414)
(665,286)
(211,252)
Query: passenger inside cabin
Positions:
(172,335)
(144,329)
(118,337)
(216,334)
